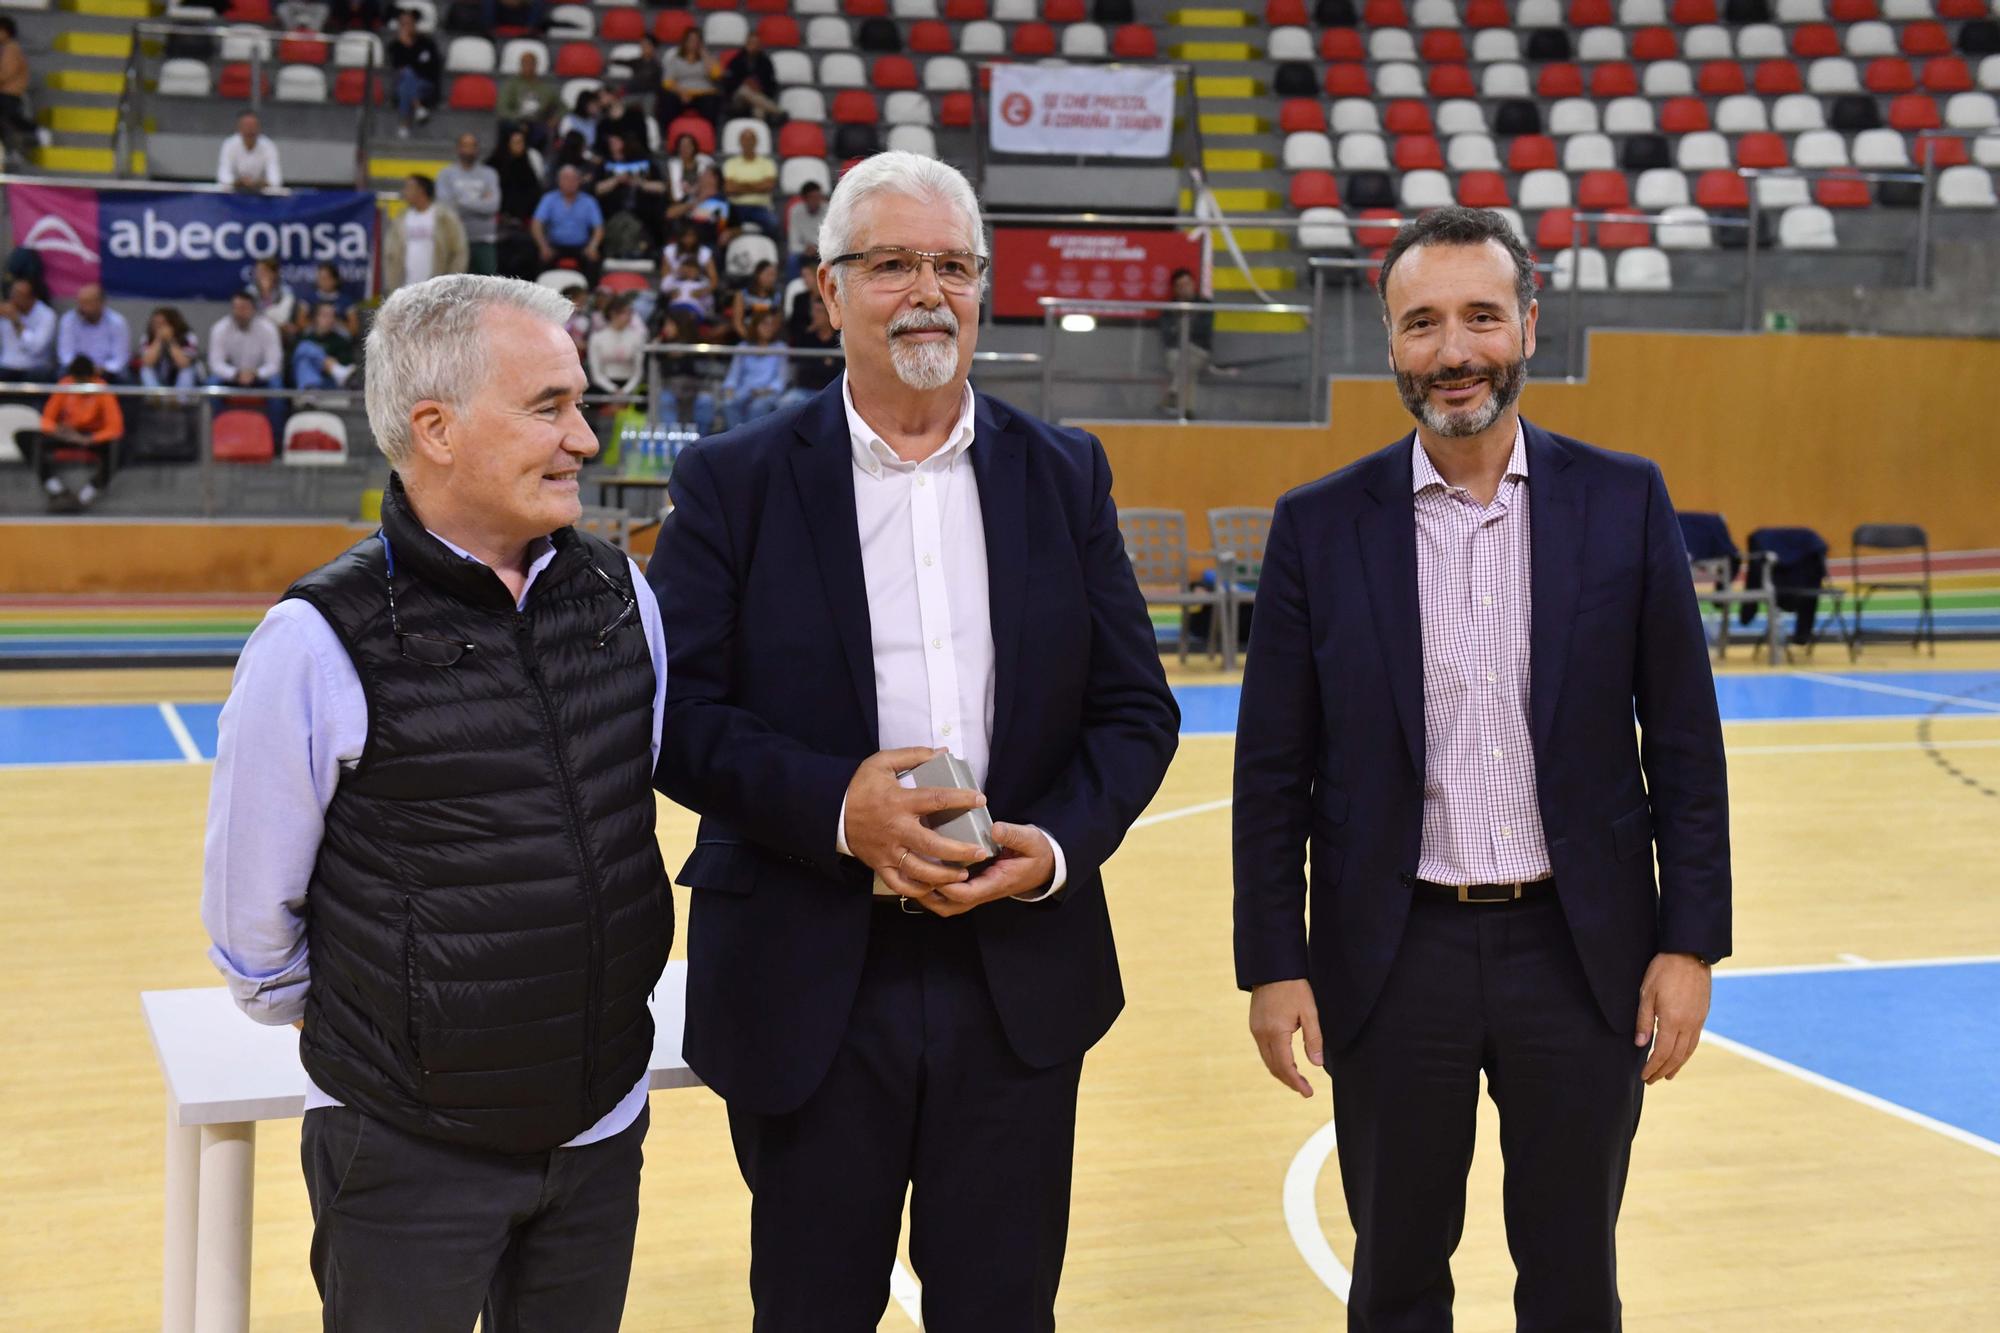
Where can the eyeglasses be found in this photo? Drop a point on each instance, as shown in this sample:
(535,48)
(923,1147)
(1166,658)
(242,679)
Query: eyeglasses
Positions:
(894,269)
(624,616)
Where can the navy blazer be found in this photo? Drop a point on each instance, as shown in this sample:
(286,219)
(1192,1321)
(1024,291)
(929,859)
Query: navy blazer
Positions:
(771,705)
(1330,741)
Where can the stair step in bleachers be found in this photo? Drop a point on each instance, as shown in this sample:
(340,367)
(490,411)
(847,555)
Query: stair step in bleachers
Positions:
(115,9)
(1238,159)
(106,45)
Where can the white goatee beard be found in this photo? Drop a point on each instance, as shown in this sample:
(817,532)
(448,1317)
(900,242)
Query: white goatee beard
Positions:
(924,366)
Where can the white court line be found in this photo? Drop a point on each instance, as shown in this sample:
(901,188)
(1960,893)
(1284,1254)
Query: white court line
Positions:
(1852,959)
(1863,747)
(903,1286)
(1899,691)
(1869,1099)
(1302,1213)
(1861,965)
(1164,816)
(172,717)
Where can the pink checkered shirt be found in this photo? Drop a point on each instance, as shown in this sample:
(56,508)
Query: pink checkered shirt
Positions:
(1481,823)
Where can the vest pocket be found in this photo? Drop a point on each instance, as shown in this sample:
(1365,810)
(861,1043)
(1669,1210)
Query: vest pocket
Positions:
(413,997)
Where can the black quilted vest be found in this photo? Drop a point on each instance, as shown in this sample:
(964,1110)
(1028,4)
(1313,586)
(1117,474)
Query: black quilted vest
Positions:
(489,910)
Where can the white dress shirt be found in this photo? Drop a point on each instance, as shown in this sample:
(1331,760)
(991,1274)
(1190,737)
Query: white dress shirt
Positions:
(923,558)
(257,164)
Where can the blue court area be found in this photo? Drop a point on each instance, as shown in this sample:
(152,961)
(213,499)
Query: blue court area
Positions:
(1920,1037)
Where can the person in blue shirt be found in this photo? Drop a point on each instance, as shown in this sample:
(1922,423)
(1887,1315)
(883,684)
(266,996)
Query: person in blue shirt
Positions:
(568,224)
(27,335)
(95,330)
(755,383)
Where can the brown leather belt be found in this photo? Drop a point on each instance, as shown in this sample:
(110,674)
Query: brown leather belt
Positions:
(1485,893)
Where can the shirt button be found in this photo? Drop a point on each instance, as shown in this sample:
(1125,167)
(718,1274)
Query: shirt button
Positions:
(1486,601)
(1496,752)
(1490,678)
(920,482)
(927,562)
(946,729)
(1506,832)
(937,643)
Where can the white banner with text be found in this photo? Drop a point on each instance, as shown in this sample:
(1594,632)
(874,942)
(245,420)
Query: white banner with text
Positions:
(1082,111)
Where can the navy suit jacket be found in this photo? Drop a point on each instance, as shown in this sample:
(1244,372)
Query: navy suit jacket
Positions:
(1330,741)
(771,705)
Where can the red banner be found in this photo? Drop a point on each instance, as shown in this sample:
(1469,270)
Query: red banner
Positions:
(1032,262)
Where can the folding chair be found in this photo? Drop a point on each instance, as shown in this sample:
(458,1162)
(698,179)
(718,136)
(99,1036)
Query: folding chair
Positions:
(1888,539)
(1785,550)
(1156,544)
(1238,536)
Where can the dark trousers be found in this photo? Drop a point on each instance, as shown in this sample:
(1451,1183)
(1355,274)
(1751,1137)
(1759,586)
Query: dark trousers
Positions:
(1498,989)
(42,447)
(590,268)
(925,1095)
(413,1235)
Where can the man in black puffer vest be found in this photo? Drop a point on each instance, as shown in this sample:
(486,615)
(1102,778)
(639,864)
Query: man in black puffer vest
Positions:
(431,840)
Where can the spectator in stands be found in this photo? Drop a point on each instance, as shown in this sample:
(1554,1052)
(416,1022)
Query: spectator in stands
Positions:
(581,119)
(1200,327)
(616,115)
(748,180)
(27,335)
(802,229)
(684,168)
(679,374)
(324,358)
(810,374)
(513,18)
(356,15)
(688,81)
(750,82)
(629,188)
(520,181)
(171,358)
(689,291)
(472,189)
(687,241)
(249,161)
(526,99)
(642,85)
(580,324)
(326,290)
(418,71)
(97,332)
(754,300)
(615,357)
(707,207)
(424,240)
(18,131)
(244,350)
(275,301)
(90,421)
(754,383)
(568,224)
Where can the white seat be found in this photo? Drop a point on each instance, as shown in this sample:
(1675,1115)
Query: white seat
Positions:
(1971,111)
(1363,152)
(1514,220)
(511,53)
(1589,275)
(1986,150)
(1539,14)
(916,139)
(1965,187)
(1307,150)
(182,78)
(1398,78)
(982,38)
(1989,74)
(1354,115)
(1434,14)
(17,417)
(724,29)
(300,83)
(906,108)
(1589,152)
(1386,44)
(1319,229)
(1832,74)
(947,74)
(470,55)
(1495,46)
(842,69)
(1684,229)
(573,88)
(1573,115)
(828,32)
(1741,114)
(1880,150)
(1641,13)
(1628,115)
(1868,39)
(1707,41)
(1807,227)
(809,8)
(791,66)
(1505,80)
(1904,10)
(1472,152)
(426,12)
(1704,150)
(561,279)
(1460,115)
(1760,41)
(1015,11)
(1596,45)
(1085,41)
(1426,189)
(1667,78)
(1543,189)
(325,423)
(1819,149)
(1795,113)
(1801,11)
(572,21)
(1643,269)
(1660,188)
(357,50)
(802,104)
(1290,44)
(914,9)
(245,41)
(1775,194)
(729,142)
(794,172)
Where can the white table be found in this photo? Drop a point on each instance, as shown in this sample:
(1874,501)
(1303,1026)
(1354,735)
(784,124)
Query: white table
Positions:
(224,1073)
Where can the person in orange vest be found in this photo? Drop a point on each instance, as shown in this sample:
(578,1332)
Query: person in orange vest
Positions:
(90,421)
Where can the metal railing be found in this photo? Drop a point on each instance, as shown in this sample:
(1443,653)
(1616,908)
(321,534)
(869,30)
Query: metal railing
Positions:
(1753,174)
(1054,306)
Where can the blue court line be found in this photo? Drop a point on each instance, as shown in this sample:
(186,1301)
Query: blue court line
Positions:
(1920,1037)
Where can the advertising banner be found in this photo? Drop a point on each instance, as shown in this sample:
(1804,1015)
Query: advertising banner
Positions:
(1033,262)
(1082,111)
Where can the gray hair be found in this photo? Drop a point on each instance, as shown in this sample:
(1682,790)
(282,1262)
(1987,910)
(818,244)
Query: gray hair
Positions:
(899,173)
(427,342)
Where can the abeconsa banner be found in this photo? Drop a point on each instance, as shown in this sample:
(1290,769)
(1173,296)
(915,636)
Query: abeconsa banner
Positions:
(174,245)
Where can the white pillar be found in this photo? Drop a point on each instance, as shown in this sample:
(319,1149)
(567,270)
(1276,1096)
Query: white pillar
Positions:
(183,1193)
(222,1254)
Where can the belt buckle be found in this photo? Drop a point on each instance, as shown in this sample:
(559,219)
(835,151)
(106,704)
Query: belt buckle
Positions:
(1465,894)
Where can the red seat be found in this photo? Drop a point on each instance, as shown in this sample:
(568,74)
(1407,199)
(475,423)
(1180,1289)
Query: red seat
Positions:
(1944,152)
(1947,74)
(1719,78)
(1064,11)
(892,73)
(1815,41)
(851,106)
(1315,189)
(1559,79)
(1721,189)
(1687,13)
(1762,149)
(1590,13)
(473,92)
(1033,40)
(801,138)
(349,86)
(964,11)
(242,436)
(669,26)
(1297,114)
(1600,191)
(954,110)
(1925,39)
(1683,115)
(1450,81)
(1384,14)
(623,25)
(1487,14)
(1442,46)
(1532,152)
(1889,74)
(701,127)
(931,38)
(1655,44)
(1135,41)
(1623,235)
(1914,111)
(854,9)
(1408,116)
(1854,11)
(768,6)
(1775,78)
(1286,14)
(1483,189)
(319,441)
(1555,230)
(1612,79)
(234,81)
(1961,9)
(1345,80)
(579,60)
(778,30)
(249,11)
(1842,190)
(1418,152)
(1342,44)
(292,51)
(1377,238)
